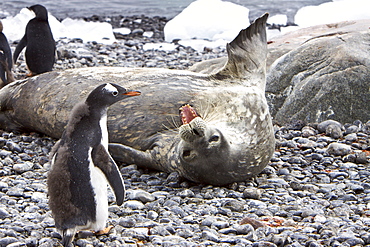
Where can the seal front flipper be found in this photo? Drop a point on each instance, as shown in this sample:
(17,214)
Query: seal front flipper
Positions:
(106,164)
(130,155)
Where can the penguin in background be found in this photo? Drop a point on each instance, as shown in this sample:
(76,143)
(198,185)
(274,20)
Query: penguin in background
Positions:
(39,42)
(6,62)
(81,166)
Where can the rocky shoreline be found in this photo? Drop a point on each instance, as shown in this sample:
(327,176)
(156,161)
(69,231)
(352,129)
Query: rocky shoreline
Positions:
(127,51)
(313,193)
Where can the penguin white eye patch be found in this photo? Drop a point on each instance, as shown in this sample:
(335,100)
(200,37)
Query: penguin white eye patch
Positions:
(110,88)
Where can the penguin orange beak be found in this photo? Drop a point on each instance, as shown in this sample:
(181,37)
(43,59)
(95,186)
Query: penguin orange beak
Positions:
(132,93)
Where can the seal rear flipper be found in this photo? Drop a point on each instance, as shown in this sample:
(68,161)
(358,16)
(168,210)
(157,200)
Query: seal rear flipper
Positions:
(130,155)
(247,53)
(103,160)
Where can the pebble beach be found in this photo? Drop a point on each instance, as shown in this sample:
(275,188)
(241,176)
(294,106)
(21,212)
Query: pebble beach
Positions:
(314,192)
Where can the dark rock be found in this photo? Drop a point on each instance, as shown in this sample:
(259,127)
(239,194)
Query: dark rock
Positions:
(321,79)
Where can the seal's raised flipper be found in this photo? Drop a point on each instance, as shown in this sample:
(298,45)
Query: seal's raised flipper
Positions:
(247,54)
(128,155)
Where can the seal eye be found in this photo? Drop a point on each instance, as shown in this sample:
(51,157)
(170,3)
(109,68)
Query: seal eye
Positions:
(214,138)
(115,93)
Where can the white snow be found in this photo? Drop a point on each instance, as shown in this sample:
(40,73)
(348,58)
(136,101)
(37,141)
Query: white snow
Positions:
(102,32)
(278,19)
(160,46)
(208,19)
(330,12)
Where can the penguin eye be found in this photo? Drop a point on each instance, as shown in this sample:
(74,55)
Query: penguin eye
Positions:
(114,93)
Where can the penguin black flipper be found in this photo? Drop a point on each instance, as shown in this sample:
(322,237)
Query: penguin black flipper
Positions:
(5,58)
(3,64)
(102,159)
(22,43)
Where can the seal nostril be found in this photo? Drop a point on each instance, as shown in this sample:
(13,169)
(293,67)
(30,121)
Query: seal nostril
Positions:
(196,132)
(186,153)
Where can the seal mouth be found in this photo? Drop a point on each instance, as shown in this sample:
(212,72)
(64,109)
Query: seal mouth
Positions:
(187,114)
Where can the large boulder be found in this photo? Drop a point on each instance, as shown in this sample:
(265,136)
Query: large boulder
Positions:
(325,77)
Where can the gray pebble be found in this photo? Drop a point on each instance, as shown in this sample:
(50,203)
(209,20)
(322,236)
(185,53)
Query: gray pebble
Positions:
(134,205)
(23,167)
(338,149)
(141,195)
(14,147)
(14,191)
(7,241)
(4,213)
(207,235)
(351,137)
(4,153)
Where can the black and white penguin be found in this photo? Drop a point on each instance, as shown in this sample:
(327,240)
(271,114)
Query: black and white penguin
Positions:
(6,62)
(81,166)
(40,50)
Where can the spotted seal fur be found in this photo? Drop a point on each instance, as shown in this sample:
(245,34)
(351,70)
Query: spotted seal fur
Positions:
(226,133)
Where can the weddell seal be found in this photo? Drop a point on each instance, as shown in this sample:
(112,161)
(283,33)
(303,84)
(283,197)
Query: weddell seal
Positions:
(40,50)
(222,133)
(81,166)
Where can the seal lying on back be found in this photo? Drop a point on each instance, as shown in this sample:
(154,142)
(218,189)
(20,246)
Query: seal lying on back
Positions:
(224,135)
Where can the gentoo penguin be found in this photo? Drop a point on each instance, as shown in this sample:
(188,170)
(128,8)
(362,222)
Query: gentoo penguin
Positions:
(81,166)
(6,62)
(40,50)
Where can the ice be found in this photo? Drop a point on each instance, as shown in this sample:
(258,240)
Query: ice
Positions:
(208,19)
(278,20)
(336,11)
(102,32)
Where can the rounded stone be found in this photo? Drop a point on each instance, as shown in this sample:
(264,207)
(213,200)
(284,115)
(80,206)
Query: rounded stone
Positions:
(23,167)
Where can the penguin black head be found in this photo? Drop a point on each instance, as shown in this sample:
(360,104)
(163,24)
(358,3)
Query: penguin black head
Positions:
(40,12)
(108,94)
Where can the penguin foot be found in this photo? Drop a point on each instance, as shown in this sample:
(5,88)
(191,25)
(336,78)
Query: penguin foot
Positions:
(30,74)
(105,231)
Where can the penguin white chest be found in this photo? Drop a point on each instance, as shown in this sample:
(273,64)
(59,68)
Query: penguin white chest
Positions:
(104,131)
(99,185)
